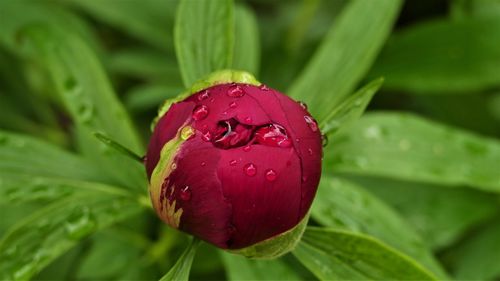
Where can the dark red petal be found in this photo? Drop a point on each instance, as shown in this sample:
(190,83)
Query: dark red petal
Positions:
(165,130)
(262,208)
(206,214)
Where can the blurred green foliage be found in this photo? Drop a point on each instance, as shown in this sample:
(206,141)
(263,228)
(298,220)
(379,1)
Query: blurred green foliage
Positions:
(410,190)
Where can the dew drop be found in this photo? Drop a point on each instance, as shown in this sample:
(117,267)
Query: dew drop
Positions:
(85,112)
(70,84)
(235,91)
(271,175)
(264,87)
(304,178)
(233,104)
(173,166)
(207,136)
(203,95)
(212,100)
(248,120)
(250,169)
(233,162)
(185,194)
(247,148)
(200,112)
(203,164)
(324,140)
(187,132)
(310,151)
(311,123)
(303,105)
(80,224)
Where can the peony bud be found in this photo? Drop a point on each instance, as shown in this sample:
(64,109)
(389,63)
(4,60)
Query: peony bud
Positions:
(236,164)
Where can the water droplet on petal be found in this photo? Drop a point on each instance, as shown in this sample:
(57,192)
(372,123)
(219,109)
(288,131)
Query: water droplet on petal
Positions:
(311,123)
(310,151)
(264,87)
(250,169)
(200,112)
(173,166)
(207,136)
(185,194)
(235,91)
(247,148)
(233,104)
(203,95)
(271,175)
(203,164)
(303,105)
(233,162)
(304,178)
(248,120)
(187,132)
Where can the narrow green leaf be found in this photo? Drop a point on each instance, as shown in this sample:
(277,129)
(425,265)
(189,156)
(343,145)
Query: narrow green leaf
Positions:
(150,96)
(246,41)
(342,204)
(146,64)
(463,58)
(440,215)
(342,255)
(81,83)
(242,268)
(478,257)
(204,37)
(118,147)
(180,270)
(351,109)
(38,239)
(39,12)
(404,146)
(345,55)
(23,155)
(22,189)
(148,20)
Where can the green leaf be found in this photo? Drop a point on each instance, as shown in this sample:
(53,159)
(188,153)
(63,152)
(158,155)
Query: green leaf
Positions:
(242,268)
(343,255)
(87,94)
(23,155)
(147,20)
(39,12)
(440,215)
(477,258)
(180,270)
(147,64)
(204,37)
(404,146)
(345,55)
(150,96)
(41,237)
(463,58)
(351,109)
(22,189)
(246,41)
(342,204)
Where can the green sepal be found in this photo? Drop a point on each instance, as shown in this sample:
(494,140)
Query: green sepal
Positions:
(215,78)
(276,246)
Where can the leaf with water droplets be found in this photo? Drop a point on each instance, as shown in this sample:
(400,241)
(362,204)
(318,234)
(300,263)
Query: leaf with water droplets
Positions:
(204,37)
(347,52)
(404,146)
(180,270)
(344,255)
(351,109)
(38,239)
(342,204)
(82,85)
(26,156)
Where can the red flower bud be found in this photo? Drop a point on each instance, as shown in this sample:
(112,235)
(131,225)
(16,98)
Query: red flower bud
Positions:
(236,163)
